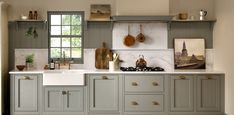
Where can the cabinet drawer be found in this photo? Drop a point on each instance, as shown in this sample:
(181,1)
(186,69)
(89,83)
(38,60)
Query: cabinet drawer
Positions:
(143,103)
(144,83)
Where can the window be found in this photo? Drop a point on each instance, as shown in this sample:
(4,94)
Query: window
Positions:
(66,33)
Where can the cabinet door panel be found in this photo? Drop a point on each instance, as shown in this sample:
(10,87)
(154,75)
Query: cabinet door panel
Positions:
(73,100)
(104,92)
(26,92)
(53,99)
(182,93)
(208,93)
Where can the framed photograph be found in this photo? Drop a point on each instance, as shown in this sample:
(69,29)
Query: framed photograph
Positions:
(189,53)
(100,12)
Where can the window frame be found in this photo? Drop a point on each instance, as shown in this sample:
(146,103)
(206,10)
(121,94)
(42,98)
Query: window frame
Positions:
(75,60)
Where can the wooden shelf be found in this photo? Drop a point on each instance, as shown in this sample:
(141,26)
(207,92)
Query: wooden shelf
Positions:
(209,20)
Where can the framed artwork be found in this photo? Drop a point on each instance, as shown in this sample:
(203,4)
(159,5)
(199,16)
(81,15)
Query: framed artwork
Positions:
(189,53)
(100,12)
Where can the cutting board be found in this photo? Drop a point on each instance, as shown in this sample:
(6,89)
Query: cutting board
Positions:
(102,57)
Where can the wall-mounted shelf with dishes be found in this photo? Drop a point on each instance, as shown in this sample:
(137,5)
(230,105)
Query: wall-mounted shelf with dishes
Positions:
(30,22)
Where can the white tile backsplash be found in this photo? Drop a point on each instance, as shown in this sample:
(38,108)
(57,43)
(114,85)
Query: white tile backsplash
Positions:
(161,58)
(155,33)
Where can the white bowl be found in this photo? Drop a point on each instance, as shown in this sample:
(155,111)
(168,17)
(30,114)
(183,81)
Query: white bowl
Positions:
(24,17)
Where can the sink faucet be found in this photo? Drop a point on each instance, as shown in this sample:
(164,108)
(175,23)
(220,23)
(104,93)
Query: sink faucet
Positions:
(64,62)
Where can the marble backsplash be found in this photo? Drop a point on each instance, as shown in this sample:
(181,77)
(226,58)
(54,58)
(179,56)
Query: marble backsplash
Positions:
(161,58)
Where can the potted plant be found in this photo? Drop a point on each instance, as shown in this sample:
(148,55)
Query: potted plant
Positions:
(29,61)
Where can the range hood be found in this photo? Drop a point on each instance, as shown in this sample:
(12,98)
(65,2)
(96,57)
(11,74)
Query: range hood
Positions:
(163,18)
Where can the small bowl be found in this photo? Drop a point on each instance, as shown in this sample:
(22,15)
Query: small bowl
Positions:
(24,17)
(20,67)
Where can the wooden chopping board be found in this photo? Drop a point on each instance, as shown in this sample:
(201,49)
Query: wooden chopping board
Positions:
(102,57)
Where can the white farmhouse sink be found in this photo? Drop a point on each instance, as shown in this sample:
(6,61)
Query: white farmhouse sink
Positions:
(64,77)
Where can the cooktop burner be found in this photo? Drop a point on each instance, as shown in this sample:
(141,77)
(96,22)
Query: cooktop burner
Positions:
(141,69)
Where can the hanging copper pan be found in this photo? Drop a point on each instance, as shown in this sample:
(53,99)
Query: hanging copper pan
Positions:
(129,40)
(140,37)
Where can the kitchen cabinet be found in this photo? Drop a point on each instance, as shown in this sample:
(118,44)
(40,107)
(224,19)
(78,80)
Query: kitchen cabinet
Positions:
(182,93)
(103,93)
(63,99)
(25,94)
(144,94)
(208,93)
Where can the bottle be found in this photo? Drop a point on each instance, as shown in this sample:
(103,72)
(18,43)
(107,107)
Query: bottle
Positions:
(30,15)
(35,15)
(52,65)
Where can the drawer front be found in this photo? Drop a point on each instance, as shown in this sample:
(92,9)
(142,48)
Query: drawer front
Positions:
(143,103)
(144,83)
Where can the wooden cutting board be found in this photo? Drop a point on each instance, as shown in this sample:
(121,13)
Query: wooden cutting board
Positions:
(102,57)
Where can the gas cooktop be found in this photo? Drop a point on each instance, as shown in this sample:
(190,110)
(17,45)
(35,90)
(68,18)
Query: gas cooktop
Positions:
(141,69)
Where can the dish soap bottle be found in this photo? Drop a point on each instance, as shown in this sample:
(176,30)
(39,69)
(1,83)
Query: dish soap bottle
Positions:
(52,65)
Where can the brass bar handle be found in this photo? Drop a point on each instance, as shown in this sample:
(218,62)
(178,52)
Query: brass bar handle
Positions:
(209,77)
(104,77)
(155,103)
(182,77)
(26,78)
(134,103)
(154,83)
(134,84)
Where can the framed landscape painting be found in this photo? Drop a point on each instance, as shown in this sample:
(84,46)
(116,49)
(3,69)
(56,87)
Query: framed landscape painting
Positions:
(100,12)
(189,53)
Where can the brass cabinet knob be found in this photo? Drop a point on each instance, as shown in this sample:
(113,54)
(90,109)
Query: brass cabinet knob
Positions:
(155,83)
(134,103)
(182,77)
(134,84)
(64,92)
(104,77)
(155,103)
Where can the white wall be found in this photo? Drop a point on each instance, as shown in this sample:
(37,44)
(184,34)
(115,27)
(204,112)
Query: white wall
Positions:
(224,45)
(192,7)
(18,7)
(142,7)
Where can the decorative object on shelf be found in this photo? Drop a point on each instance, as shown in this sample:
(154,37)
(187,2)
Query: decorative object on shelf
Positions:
(29,61)
(100,12)
(30,15)
(23,17)
(183,16)
(129,40)
(140,37)
(203,14)
(35,15)
(20,67)
(189,53)
(32,32)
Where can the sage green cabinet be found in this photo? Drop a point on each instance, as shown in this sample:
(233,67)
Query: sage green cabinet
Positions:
(103,93)
(63,99)
(208,93)
(182,93)
(25,94)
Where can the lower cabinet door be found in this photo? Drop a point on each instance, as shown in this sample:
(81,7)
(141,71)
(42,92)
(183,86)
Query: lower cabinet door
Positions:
(53,99)
(143,103)
(73,99)
(182,93)
(208,93)
(26,93)
(103,92)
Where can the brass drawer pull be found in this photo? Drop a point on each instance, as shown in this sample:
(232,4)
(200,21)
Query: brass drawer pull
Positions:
(155,103)
(26,78)
(155,84)
(134,103)
(134,84)
(104,77)
(209,77)
(182,77)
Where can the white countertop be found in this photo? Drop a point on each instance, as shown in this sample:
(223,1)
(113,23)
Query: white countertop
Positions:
(123,72)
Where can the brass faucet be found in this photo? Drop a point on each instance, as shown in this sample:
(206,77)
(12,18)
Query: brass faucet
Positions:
(64,62)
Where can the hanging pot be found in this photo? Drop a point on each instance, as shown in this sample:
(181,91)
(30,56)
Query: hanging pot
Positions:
(129,40)
(140,37)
